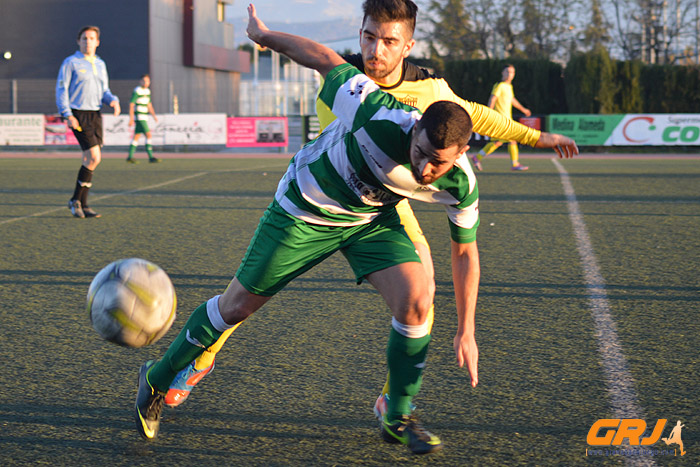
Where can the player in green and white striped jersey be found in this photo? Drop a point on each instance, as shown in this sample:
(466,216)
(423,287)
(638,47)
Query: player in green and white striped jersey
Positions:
(339,194)
(139,109)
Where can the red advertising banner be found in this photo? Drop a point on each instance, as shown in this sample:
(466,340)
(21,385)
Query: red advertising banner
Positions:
(56,132)
(532,122)
(248,132)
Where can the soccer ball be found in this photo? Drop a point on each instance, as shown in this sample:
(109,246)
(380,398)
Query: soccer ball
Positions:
(131,302)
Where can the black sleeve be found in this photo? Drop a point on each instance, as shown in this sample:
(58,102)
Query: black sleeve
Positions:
(356,61)
(412,72)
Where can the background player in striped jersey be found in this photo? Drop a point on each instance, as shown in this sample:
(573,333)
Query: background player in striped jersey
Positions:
(339,194)
(503,100)
(386,40)
(139,109)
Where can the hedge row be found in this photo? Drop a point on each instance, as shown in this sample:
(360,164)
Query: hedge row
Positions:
(591,83)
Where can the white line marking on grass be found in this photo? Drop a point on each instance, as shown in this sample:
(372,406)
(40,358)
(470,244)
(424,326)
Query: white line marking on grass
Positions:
(623,397)
(111,195)
(136,190)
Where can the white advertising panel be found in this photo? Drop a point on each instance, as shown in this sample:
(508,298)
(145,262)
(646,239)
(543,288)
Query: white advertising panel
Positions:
(170,129)
(656,130)
(22,130)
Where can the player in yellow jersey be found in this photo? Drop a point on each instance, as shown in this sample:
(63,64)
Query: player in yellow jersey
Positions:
(386,41)
(503,100)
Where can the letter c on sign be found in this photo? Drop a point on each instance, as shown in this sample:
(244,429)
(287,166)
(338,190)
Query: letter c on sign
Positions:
(668,134)
(649,120)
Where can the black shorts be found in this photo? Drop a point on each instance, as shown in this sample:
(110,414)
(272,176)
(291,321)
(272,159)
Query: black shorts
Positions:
(90,122)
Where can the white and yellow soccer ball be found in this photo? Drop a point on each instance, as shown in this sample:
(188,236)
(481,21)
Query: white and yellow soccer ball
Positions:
(131,302)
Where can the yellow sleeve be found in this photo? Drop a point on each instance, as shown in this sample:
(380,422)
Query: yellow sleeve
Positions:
(323,112)
(496,90)
(488,122)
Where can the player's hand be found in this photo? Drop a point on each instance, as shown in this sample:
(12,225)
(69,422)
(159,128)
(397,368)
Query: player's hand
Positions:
(117,108)
(562,145)
(468,352)
(131,122)
(155,119)
(527,112)
(256,28)
(73,123)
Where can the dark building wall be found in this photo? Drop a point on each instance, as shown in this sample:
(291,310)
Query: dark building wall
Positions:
(41,33)
(137,36)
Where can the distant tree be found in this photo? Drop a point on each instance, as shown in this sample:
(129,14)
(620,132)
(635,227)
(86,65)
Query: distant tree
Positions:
(590,83)
(545,27)
(465,29)
(451,32)
(653,31)
(596,33)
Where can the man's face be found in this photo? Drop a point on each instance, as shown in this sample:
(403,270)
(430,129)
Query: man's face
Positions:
(145,82)
(88,42)
(384,46)
(429,163)
(508,74)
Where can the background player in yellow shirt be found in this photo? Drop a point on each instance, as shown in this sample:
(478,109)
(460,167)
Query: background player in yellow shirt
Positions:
(503,100)
(386,40)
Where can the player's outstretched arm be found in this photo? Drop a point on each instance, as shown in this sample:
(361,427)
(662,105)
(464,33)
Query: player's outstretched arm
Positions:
(466,273)
(304,51)
(562,145)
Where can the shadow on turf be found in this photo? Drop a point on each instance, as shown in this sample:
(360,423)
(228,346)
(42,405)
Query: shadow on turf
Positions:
(522,289)
(444,288)
(248,424)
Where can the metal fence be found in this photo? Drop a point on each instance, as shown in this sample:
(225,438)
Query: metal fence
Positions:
(262,98)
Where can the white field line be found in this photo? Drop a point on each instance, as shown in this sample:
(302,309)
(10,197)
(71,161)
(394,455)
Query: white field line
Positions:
(128,192)
(111,195)
(623,398)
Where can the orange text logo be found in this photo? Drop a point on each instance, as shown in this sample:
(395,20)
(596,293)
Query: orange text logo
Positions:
(613,432)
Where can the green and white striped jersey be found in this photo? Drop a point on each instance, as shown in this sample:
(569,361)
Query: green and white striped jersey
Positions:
(360,166)
(141,97)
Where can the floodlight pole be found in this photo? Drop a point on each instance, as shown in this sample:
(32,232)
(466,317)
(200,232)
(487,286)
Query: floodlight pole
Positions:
(14,95)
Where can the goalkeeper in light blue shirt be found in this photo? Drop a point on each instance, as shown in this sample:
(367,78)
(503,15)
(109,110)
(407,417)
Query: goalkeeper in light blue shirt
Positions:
(81,89)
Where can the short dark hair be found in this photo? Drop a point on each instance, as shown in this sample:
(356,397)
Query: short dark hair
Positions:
(146,75)
(385,11)
(89,28)
(446,124)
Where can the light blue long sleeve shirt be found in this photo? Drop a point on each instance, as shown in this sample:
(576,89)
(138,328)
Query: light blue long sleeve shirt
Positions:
(82,84)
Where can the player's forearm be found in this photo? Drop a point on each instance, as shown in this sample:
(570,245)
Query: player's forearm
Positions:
(488,122)
(518,105)
(303,51)
(492,102)
(466,273)
(62,99)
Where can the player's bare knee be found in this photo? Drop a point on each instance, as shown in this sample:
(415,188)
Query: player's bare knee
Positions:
(234,312)
(416,310)
(236,303)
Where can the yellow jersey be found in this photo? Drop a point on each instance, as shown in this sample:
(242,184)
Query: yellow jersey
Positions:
(504,98)
(418,88)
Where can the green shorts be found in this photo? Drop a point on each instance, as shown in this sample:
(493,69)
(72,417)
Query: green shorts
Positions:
(141,127)
(284,247)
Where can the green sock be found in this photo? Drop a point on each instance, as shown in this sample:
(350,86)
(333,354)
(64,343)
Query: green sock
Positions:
(406,358)
(132,150)
(182,351)
(149,150)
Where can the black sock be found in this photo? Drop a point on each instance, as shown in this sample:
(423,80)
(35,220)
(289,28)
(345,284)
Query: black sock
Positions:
(82,185)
